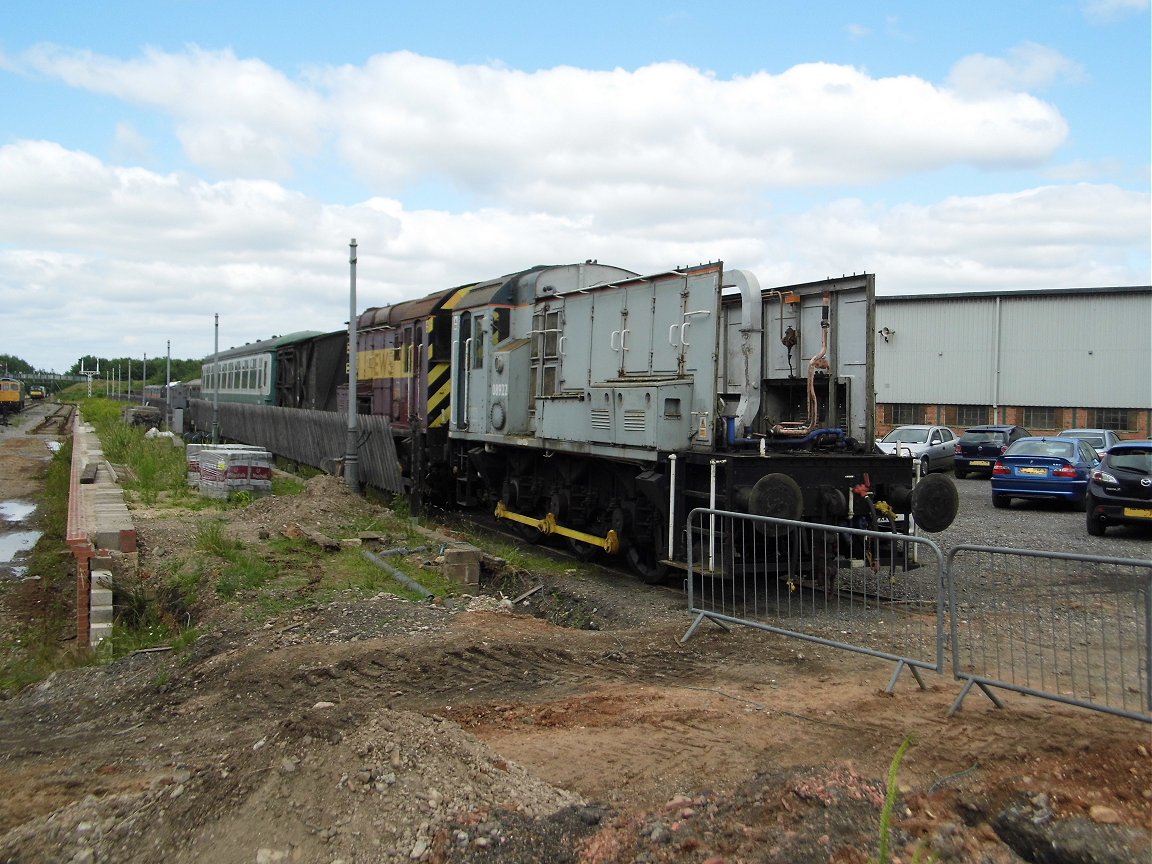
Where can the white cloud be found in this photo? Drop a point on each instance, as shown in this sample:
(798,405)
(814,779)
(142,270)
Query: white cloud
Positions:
(1027,67)
(130,146)
(1105,11)
(503,134)
(232,115)
(1048,237)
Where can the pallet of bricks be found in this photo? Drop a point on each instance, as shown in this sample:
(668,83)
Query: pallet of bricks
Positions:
(218,470)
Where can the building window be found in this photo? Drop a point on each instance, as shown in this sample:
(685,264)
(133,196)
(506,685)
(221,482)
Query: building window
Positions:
(903,413)
(1040,418)
(1111,418)
(971,415)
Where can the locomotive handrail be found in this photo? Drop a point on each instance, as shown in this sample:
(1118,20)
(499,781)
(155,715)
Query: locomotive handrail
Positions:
(462,423)
(685,325)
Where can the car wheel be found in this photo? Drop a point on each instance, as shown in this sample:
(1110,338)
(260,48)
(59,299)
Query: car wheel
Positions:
(960,475)
(1095,524)
(925,466)
(1000,502)
(1080,504)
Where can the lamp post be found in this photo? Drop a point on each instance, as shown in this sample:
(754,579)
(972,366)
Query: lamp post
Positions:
(351,457)
(216,384)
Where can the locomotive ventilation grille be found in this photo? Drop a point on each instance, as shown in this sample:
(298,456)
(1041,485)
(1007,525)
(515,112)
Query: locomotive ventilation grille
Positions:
(600,418)
(635,421)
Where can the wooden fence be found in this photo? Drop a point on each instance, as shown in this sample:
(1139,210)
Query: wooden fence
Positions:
(315,438)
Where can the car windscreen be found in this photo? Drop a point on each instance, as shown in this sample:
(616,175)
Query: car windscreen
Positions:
(982,437)
(1139,461)
(1059,449)
(906,436)
(1096,441)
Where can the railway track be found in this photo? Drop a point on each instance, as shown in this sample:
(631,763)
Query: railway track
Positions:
(55,422)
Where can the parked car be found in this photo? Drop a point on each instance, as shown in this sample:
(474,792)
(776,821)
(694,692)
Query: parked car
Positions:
(978,448)
(1100,439)
(933,446)
(1120,488)
(1045,468)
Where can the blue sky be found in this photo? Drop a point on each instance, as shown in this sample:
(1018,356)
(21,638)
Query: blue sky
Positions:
(161,162)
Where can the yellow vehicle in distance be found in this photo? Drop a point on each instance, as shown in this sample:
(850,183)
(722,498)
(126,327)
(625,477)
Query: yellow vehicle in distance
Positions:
(37,391)
(11,397)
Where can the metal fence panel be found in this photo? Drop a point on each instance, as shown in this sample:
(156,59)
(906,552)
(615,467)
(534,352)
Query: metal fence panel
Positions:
(1073,628)
(870,592)
(316,438)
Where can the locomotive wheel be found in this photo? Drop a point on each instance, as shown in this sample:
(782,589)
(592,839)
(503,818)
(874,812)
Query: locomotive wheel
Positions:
(582,551)
(935,502)
(776,495)
(528,533)
(646,565)
(645,560)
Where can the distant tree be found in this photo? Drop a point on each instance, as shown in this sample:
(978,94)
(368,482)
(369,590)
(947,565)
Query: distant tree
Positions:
(10,365)
(125,368)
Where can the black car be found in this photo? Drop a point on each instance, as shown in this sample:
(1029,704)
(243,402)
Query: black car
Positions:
(980,446)
(1120,487)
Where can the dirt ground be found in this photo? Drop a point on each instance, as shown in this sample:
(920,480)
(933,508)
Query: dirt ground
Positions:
(373,729)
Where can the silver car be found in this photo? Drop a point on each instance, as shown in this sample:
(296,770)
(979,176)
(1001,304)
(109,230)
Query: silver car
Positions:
(934,446)
(1100,439)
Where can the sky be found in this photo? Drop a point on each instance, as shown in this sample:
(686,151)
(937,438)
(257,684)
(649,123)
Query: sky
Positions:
(164,163)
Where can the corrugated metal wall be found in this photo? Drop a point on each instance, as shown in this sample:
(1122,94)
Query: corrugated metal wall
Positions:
(1090,349)
(316,438)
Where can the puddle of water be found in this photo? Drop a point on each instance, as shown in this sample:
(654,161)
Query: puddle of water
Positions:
(16,511)
(14,546)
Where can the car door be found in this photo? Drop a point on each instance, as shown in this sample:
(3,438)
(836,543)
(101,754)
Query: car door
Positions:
(943,447)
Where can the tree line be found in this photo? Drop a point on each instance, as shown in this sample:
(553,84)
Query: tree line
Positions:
(114,368)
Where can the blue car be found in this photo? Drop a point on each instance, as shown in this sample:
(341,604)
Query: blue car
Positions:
(1052,468)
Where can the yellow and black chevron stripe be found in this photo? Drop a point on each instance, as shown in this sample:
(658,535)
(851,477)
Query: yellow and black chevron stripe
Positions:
(440,368)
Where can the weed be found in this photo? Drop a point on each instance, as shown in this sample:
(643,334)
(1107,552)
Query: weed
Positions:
(210,537)
(122,641)
(883,854)
(285,486)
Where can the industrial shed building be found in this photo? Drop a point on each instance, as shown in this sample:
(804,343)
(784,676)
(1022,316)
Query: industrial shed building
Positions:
(1045,360)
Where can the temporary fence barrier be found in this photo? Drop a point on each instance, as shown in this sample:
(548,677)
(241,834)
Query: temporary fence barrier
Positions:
(1067,627)
(872,592)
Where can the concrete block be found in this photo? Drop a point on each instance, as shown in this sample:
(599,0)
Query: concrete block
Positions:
(97,633)
(101,615)
(462,564)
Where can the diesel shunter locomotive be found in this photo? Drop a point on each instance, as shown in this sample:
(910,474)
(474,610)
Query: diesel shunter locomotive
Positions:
(600,406)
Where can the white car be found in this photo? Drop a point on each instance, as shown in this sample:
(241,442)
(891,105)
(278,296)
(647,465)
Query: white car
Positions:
(934,446)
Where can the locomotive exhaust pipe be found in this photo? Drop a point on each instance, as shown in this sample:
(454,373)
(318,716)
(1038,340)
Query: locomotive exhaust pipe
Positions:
(750,347)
